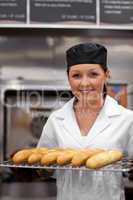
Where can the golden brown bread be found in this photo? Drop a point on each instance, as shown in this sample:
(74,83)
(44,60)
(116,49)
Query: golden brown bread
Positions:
(21,156)
(81,157)
(103,159)
(92,158)
(34,158)
(53,150)
(50,158)
(39,150)
(37,154)
(66,157)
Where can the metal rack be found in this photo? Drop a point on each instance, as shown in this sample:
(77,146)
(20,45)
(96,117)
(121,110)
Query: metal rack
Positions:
(126,165)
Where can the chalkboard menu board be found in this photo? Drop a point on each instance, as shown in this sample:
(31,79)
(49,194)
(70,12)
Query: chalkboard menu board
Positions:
(12,11)
(46,11)
(112,14)
(116,12)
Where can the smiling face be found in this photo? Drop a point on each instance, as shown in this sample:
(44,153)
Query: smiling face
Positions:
(87,81)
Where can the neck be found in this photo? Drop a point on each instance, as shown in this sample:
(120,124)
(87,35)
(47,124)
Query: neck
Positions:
(92,105)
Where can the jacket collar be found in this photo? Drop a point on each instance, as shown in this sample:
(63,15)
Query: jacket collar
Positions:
(110,108)
(66,114)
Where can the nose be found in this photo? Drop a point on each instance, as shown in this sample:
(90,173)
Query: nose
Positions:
(84,81)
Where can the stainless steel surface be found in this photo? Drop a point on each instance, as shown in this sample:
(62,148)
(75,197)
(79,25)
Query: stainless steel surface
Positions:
(125,165)
(33,84)
(26,103)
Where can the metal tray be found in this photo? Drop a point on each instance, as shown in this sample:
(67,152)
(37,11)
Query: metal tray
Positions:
(125,165)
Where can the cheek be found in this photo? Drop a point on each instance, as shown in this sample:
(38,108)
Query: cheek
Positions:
(99,83)
(74,88)
(73,84)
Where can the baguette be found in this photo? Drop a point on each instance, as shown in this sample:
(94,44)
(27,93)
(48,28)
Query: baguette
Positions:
(80,158)
(103,159)
(39,150)
(34,158)
(21,156)
(50,158)
(66,157)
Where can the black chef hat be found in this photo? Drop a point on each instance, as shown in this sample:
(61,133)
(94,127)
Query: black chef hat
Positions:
(86,53)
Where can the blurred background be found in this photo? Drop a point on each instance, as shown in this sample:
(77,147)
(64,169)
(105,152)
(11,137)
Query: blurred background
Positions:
(33,78)
(33,83)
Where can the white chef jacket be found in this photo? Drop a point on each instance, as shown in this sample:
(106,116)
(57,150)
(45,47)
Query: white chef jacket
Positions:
(113,129)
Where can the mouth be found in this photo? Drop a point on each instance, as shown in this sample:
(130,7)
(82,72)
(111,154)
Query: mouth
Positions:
(84,91)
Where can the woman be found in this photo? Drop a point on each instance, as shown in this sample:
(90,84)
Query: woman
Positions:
(91,119)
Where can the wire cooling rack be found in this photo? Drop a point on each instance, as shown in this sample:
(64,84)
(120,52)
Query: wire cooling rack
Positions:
(125,165)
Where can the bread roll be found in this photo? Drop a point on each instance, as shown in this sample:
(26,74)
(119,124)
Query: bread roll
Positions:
(34,158)
(81,157)
(50,158)
(57,149)
(103,159)
(21,156)
(39,150)
(66,157)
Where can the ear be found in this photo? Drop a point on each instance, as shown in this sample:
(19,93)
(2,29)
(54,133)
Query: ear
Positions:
(108,74)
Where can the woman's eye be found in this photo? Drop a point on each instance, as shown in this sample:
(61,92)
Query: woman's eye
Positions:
(76,75)
(94,74)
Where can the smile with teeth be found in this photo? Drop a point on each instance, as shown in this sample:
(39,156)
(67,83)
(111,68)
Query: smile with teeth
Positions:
(86,90)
